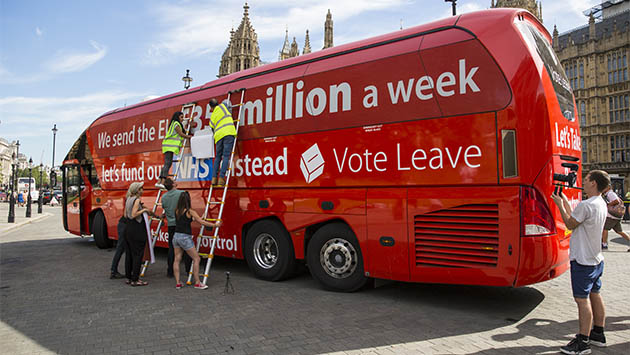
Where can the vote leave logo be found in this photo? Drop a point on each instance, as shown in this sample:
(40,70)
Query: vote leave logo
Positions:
(312,163)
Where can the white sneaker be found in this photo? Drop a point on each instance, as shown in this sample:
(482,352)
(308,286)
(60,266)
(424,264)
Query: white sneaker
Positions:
(201,286)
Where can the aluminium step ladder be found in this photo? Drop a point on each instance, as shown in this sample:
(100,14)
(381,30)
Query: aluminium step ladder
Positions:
(155,233)
(218,202)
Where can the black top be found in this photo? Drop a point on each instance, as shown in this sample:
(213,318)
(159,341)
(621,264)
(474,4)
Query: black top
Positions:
(182,224)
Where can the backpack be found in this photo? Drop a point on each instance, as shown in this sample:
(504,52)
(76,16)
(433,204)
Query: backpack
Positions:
(617,210)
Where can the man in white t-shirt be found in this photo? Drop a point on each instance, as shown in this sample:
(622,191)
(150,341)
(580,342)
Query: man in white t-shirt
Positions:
(587,260)
(612,222)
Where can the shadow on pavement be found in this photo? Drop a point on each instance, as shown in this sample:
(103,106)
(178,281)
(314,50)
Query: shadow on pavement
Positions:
(57,292)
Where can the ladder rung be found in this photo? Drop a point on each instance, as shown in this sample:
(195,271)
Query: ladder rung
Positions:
(212,219)
(206,236)
(156,219)
(216,203)
(209,256)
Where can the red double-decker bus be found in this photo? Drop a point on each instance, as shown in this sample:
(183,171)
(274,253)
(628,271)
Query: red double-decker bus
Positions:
(424,155)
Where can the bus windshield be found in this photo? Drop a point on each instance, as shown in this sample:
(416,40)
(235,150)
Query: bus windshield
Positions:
(537,43)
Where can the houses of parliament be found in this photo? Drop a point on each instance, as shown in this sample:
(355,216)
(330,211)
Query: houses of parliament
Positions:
(243,52)
(594,57)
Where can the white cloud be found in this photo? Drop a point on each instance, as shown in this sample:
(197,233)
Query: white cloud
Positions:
(30,119)
(73,62)
(8,78)
(193,29)
(39,32)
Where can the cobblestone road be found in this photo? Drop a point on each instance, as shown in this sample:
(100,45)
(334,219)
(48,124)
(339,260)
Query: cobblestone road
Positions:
(56,297)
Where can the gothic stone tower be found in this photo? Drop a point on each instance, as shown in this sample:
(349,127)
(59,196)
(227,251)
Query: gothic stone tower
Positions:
(328,31)
(533,6)
(242,51)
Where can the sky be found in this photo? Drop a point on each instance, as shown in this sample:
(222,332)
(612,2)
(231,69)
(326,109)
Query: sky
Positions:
(68,62)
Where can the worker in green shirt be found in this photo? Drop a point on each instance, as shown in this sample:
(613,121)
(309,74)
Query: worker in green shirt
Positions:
(169,203)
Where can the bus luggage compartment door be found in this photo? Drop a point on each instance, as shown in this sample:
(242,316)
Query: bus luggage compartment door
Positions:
(464,235)
(73,209)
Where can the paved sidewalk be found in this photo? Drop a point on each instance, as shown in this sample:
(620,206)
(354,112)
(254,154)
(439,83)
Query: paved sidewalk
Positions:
(56,298)
(20,216)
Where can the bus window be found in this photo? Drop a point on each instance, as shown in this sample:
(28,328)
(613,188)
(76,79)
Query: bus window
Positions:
(537,43)
(81,151)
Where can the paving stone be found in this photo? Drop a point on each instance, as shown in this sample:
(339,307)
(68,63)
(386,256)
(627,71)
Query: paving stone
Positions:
(73,308)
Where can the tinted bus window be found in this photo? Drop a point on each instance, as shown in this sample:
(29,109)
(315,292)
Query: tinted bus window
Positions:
(537,43)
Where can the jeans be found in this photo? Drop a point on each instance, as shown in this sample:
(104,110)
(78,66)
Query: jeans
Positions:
(224,150)
(171,253)
(120,245)
(168,161)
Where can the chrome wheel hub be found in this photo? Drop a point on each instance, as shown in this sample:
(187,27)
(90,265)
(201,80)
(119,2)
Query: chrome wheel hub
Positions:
(265,251)
(338,258)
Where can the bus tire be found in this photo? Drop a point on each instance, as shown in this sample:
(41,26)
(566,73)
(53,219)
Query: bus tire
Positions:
(99,230)
(269,251)
(335,260)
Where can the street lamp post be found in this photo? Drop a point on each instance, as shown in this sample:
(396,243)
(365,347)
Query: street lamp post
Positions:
(41,180)
(28,198)
(11,218)
(187,80)
(454,5)
(52,166)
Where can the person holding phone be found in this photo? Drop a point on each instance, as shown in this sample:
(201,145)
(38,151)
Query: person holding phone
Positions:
(587,260)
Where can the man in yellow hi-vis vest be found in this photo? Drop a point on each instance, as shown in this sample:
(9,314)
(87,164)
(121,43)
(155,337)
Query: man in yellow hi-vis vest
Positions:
(224,136)
(170,145)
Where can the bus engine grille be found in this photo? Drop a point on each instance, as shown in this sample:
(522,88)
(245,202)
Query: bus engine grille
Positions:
(464,236)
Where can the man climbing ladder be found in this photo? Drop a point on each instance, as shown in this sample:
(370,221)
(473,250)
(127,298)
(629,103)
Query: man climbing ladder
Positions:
(224,137)
(224,127)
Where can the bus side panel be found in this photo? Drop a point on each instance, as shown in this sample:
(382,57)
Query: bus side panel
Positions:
(387,234)
(111,202)
(468,82)
(464,235)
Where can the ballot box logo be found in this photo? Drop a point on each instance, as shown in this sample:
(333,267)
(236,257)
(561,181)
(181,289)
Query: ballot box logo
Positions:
(312,163)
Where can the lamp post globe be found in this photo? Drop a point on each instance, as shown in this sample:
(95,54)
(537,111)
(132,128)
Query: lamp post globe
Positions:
(11,218)
(187,79)
(41,181)
(28,193)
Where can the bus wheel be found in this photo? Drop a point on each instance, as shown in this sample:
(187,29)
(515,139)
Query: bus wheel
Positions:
(334,258)
(99,230)
(269,251)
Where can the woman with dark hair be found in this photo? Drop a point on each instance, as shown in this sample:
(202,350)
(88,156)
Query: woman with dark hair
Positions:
(182,240)
(171,144)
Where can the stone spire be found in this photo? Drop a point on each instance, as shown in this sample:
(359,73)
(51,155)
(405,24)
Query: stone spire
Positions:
(328,31)
(242,51)
(286,47)
(294,51)
(556,41)
(591,27)
(307,44)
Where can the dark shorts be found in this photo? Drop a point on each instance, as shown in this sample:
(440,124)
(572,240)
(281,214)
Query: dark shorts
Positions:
(614,224)
(586,279)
